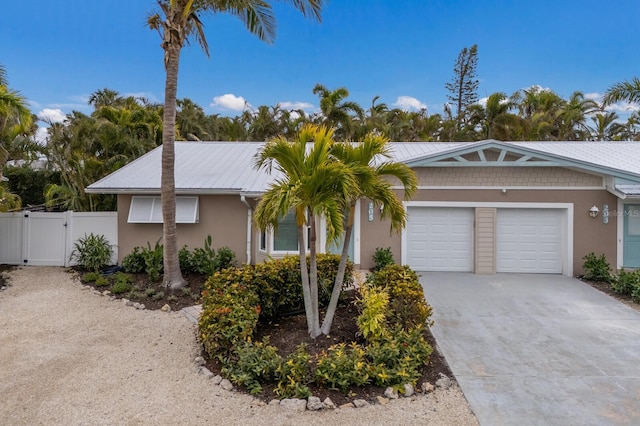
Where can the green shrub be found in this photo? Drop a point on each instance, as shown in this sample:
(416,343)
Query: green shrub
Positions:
(372,321)
(396,358)
(185,258)
(158,296)
(293,375)
(382,257)
(102,281)
(408,307)
(92,252)
(252,362)
(153,260)
(204,258)
(342,366)
(625,282)
(121,287)
(230,311)
(635,293)
(225,258)
(90,277)
(596,268)
(150,292)
(133,263)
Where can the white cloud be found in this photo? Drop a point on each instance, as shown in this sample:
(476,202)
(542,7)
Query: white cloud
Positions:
(230,101)
(52,115)
(296,105)
(408,103)
(41,135)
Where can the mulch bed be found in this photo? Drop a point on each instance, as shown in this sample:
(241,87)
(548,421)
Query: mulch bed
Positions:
(606,288)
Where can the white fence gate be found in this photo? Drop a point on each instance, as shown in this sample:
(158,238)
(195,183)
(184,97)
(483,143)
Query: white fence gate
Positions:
(48,239)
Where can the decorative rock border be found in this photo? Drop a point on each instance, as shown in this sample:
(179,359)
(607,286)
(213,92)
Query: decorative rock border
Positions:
(313,403)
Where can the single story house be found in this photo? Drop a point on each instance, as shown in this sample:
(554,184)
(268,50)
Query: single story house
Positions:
(485,207)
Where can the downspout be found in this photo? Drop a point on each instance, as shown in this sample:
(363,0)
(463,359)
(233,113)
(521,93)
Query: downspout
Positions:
(249,218)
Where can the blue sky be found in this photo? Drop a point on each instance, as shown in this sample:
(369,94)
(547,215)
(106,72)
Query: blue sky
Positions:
(57,53)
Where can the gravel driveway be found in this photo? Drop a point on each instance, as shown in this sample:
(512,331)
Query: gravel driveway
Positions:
(70,357)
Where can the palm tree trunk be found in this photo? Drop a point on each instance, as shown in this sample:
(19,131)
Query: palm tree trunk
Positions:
(313,278)
(172,274)
(342,266)
(304,275)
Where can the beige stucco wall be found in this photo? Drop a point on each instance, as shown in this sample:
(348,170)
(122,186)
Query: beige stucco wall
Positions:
(224,217)
(505,176)
(589,234)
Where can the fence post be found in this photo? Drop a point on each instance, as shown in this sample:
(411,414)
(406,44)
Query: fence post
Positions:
(26,229)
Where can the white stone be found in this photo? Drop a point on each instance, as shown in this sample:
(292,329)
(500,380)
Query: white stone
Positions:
(166,308)
(314,403)
(360,403)
(294,404)
(443,382)
(390,393)
(217,379)
(226,385)
(408,390)
(427,387)
(328,403)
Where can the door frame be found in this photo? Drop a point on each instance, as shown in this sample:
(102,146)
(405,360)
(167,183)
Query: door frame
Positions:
(567,255)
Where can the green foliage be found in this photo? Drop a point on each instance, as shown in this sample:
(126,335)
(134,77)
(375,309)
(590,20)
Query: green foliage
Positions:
(8,201)
(204,258)
(153,260)
(185,258)
(29,184)
(92,252)
(293,375)
(150,292)
(90,277)
(397,357)
(382,257)
(225,258)
(372,321)
(596,268)
(133,263)
(408,307)
(625,282)
(230,311)
(342,366)
(120,287)
(159,296)
(102,281)
(252,362)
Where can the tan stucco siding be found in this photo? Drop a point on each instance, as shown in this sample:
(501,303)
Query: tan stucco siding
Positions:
(485,241)
(224,217)
(589,234)
(505,176)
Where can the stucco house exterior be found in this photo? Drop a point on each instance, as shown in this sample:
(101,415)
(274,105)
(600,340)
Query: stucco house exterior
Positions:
(485,207)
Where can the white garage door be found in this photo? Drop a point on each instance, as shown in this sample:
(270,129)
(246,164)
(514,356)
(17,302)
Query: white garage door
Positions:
(440,239)
(529,240)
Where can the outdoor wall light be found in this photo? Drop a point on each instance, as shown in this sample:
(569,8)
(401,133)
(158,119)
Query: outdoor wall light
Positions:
(593,211)
(504,190)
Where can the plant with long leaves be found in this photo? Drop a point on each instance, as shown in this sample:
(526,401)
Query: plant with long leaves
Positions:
(311,182)
(178,21)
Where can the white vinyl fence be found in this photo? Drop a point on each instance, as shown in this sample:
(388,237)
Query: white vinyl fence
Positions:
(48,239)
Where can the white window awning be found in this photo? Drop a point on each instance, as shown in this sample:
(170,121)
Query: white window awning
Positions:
(148,209)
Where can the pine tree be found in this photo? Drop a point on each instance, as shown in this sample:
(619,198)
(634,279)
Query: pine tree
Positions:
(464,85)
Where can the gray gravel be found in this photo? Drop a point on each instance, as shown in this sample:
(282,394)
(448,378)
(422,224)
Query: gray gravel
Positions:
(70,357)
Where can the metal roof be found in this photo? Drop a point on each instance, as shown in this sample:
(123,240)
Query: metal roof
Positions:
(228,167)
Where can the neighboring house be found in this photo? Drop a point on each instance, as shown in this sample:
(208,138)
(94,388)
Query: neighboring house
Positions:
(484,207)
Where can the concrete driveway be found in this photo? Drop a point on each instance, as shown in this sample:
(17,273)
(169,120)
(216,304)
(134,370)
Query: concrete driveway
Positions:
(538,349)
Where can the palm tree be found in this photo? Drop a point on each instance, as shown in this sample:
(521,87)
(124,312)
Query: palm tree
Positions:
(15,120)
(178,21)
(573,115)
(605,126)
(312,184)
(625,91)
(336,111)
(371,166)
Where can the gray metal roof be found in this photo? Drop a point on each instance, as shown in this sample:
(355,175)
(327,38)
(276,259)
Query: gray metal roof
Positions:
(228,167)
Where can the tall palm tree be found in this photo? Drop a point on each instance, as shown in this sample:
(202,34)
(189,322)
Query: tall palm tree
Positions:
(312,183)
(370,162)
(178,21)
(336,111)
(15,120)
(605,126)
(625,91)
(573,115)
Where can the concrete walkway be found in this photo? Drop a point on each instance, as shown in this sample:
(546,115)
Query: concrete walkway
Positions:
(538,349)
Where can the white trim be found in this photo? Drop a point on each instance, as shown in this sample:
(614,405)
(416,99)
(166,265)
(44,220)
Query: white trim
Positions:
(620,234)
(514,188)
(567,241)
(356,235)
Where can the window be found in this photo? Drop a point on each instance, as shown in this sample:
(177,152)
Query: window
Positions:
(285,238)
(148,209)
(263,240)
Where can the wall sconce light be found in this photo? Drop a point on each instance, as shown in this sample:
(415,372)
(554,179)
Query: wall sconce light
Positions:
(593,211)
(504,190)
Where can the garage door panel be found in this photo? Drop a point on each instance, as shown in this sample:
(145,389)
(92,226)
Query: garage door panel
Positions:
(440,239)
(529,240)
